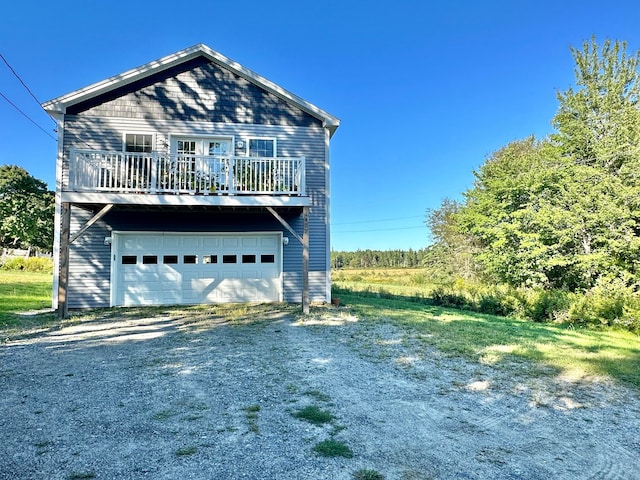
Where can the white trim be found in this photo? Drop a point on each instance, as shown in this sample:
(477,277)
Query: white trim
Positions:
(174,137)
(113,278)
(137,132)
(252,137)
(57,213)
(187,200)
(60,104)
(327,189)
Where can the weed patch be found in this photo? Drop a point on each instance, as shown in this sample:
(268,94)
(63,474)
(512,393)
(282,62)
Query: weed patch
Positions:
(186,451)
(365,474)
(314,414)
(163,415)
(333,448)
(318,395)
(252,417)
(81,475)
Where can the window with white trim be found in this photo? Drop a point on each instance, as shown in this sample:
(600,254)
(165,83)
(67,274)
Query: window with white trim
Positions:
(138,142)
(262,147)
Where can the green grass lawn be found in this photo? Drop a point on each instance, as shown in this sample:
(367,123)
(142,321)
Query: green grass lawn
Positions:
(547,348)
(23,292)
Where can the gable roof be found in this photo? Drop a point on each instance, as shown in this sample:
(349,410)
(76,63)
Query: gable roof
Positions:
(60,104)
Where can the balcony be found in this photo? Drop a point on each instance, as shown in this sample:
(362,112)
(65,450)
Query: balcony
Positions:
(92,171)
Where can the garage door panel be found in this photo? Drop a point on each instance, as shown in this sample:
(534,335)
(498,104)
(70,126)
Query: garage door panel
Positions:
(230,242)
(172,241)
(191,242)
(191,268)
(150,243)
(210,242)
(250,242)
(268,242)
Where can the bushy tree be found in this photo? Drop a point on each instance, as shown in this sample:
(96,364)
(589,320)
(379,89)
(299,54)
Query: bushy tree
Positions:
(543,220)
(26,210)
(598,122)
(452,254)
(564,212)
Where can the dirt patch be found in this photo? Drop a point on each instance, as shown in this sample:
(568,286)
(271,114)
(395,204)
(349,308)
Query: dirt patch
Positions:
(168,398)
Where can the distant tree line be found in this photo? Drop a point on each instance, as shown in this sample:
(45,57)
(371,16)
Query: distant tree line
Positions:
(378,258)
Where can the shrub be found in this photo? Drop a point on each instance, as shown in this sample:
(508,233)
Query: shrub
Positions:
(630,318)
(31,264)
(446,298)
(545,305)
(608,303)
(494,304)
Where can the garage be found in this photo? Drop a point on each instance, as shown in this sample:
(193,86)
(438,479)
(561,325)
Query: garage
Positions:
(166,268)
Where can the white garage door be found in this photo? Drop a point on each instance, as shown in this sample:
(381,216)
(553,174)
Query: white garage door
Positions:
(179,268)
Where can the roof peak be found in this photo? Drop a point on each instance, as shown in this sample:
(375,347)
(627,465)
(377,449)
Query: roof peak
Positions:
(60,104)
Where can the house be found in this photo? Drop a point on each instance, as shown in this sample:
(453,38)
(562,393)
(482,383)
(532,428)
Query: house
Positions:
(190,180)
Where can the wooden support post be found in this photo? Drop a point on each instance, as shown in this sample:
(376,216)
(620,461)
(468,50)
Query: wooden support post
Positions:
(305,261)
(304,240)
(63,273)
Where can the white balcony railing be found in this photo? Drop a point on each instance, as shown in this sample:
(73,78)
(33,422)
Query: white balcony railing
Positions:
(155,173)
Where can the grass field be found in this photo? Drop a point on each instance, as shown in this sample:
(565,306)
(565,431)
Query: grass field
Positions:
(543,348)
(23,292)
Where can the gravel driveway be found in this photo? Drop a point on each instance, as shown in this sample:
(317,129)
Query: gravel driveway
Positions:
(204,397)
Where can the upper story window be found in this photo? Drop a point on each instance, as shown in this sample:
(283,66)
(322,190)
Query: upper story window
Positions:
(262,147)
(138,143)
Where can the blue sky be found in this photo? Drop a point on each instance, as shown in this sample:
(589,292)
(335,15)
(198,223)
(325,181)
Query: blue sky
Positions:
(425,89)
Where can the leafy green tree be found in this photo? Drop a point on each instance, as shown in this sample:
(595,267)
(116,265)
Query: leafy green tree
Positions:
(564,212)
(543,220)
(453,252)
(26,210)
(598,123)
(500,213)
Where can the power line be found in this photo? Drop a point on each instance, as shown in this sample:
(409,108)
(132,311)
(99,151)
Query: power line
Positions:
(26,116)
(26,87)
(376,221)
(378,230)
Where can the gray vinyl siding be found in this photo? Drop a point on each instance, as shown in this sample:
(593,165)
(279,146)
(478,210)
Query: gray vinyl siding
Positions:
(201,100)
(89,263)
(197,91)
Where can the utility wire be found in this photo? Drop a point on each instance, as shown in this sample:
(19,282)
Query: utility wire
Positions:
(376,221)
(26,87)
(377,230)
(26,116)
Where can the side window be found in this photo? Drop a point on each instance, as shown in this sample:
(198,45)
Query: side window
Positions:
(190,259)
(229,259)
(267,259)
(149,259)
(138,143)
(262,147)
(248,259)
